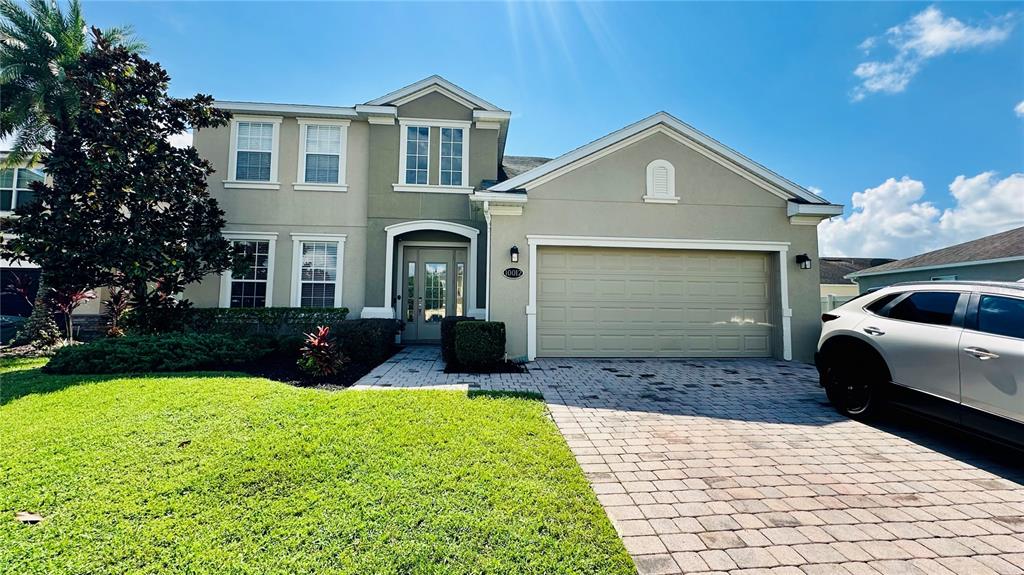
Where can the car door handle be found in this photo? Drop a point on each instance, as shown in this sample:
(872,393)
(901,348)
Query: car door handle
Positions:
(873,331)
(982,354)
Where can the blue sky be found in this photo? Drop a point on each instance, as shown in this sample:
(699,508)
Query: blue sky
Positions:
(775,81)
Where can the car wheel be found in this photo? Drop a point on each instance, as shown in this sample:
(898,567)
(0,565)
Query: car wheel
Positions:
(853,389)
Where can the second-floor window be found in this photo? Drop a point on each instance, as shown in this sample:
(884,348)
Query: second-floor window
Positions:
(254,151)
(451,157)
(322,152)
(14,187)
(417,154)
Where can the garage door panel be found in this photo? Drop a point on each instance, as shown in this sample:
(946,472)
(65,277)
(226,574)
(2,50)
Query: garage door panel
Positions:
(670,303)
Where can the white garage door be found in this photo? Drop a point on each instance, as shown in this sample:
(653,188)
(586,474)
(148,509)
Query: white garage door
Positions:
(616,302)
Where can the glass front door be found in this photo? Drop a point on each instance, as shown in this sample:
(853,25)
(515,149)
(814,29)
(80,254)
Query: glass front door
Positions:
(433,288)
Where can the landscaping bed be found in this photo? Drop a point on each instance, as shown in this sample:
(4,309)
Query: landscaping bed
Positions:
(219,473)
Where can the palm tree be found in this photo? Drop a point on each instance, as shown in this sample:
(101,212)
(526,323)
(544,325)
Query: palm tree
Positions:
(39,45)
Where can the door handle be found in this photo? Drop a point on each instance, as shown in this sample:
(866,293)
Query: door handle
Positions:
(873,331)
(982,354)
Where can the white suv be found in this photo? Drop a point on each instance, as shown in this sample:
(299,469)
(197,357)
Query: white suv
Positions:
(953,350)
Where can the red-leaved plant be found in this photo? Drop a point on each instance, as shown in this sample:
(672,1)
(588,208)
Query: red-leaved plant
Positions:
(321,356)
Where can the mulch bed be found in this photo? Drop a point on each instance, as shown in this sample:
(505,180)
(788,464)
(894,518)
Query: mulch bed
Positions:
(284,369)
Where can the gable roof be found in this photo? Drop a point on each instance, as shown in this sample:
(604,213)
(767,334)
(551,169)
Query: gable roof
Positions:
(731,157)
(835,270)
(434,83)
(1004,246)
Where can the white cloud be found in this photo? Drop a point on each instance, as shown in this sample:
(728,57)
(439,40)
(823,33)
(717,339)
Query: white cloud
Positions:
(891,220)
(1019,109)
(926,35)
(182,140)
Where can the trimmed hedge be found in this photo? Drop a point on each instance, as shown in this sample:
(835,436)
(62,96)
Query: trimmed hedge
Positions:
(167,352)
(268,321)
(367,340)
(448,336)
(480,345)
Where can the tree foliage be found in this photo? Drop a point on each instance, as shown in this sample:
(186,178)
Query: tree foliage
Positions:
(124,207)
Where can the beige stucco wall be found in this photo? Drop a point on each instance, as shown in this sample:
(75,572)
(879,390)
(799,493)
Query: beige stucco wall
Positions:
(361,213)
(604,198)
(286,211)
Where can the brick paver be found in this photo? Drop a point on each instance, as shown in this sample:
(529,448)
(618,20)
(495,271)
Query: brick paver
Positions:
(740,466)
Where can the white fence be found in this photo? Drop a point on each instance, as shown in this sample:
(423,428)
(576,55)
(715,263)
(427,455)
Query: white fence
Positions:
(831,302)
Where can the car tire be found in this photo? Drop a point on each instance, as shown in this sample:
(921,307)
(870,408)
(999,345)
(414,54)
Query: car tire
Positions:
(853,386)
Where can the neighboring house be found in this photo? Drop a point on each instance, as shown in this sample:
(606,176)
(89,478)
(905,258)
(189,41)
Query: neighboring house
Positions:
(833,272)
(655,240)
(999,257)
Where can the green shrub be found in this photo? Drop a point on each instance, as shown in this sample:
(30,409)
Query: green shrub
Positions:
(367,340)
(480,345)
(269,321)
(448,336)
(168,352)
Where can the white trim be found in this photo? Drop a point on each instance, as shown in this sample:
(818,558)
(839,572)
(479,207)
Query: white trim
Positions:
(225,277)
(431,90)
(492,115)
(432,189)
(381,120)
(811,214)
(651,196)
(261,107)
(275,154)
(300,177)
(377,110)
(435,80)
(868,272)
(395,230)
(679,130)
(320,187)
(487,125)
(247,185)
(431,124)
(297,239)
(498,197)
(377,313)
(534,241)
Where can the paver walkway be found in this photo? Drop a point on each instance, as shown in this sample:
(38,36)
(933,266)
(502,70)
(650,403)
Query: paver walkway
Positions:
(740,466)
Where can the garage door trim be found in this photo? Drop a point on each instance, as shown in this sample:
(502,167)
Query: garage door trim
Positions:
(781,248)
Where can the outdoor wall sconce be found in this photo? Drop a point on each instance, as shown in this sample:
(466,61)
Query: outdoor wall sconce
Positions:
(804,261)
(514,254)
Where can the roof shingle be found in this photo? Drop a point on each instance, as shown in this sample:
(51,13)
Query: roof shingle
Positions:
(833,269)
(1006,244)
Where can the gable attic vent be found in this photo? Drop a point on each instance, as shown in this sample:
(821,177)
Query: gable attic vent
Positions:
(661,183)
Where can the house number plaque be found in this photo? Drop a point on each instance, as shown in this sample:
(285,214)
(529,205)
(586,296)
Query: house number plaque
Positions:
(513,273)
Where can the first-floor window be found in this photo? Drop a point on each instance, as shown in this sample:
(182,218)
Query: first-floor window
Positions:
(318,276)
(250,288)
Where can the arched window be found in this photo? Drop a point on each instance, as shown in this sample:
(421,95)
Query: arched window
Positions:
(661,183)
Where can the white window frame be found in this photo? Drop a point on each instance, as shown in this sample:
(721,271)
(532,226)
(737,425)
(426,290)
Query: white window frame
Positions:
(650,196)
(275,154)
(296,287)
(14,189)
(300,178)
(441,156)
(225,277)
(406,123)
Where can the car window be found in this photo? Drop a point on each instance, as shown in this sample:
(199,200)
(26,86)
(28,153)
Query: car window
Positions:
(1001,316)
(877,305)
(934,307)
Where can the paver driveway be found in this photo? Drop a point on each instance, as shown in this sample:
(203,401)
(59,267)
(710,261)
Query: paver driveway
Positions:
(740,466)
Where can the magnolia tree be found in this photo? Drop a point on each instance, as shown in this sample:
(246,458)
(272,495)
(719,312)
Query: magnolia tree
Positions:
(124,208)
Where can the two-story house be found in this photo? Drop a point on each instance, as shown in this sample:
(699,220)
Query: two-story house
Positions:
(655,240)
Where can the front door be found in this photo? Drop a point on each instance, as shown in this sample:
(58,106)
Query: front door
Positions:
(434,287)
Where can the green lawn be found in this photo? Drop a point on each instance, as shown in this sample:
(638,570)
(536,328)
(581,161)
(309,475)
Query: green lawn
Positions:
(218,473)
